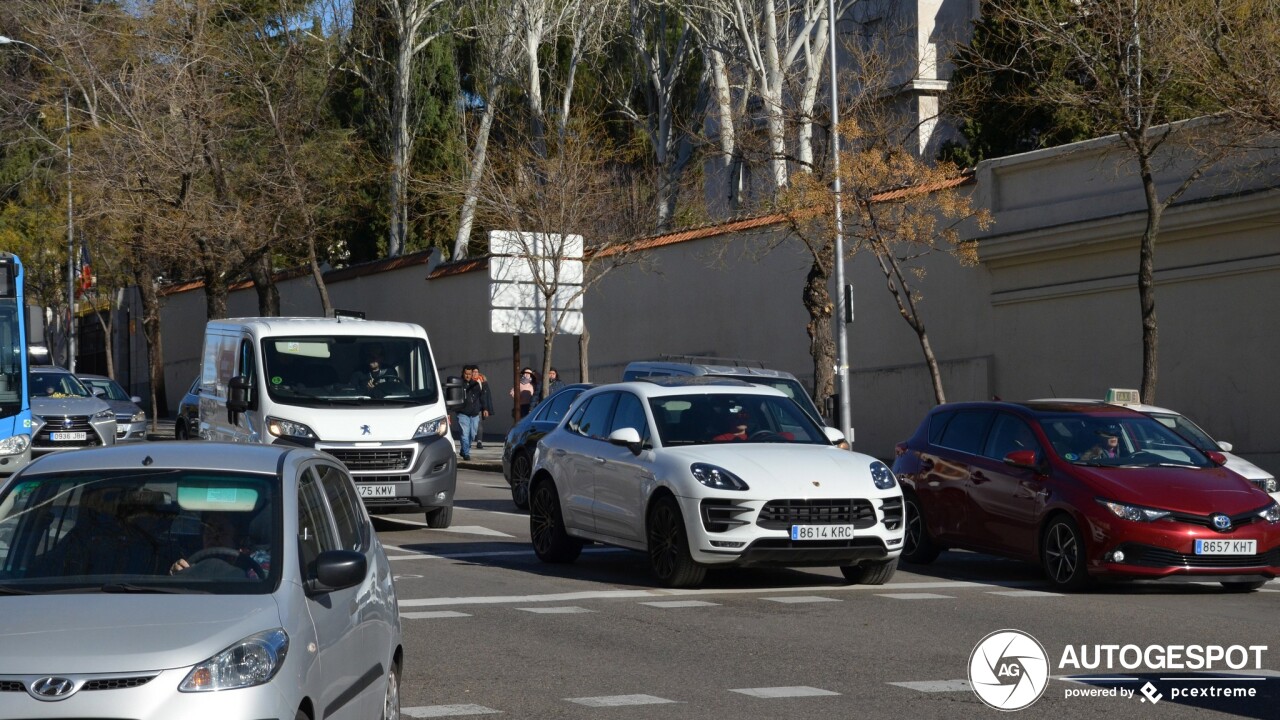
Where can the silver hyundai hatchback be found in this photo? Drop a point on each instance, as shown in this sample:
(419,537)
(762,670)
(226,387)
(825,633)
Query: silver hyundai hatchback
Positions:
(193,580)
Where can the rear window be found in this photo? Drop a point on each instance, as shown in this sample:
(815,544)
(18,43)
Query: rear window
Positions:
(966,431)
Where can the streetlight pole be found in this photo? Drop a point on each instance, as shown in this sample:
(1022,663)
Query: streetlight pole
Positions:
(842,330)
(71,245)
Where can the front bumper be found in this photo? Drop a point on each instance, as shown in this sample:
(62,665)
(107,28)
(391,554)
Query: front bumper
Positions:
(97,433)
(1166,549)
(10,464)
(421,474)
(131,431)
(736,532)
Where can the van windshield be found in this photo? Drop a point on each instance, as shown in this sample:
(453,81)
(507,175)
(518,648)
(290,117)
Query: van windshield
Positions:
(792,388)
(322,371)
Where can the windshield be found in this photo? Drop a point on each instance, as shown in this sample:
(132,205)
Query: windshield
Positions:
(724,418)
(154,531)
(1120,442)
(10,358)
(1186,429)
(57,385)
(790,388)
(321,371)
(110,389)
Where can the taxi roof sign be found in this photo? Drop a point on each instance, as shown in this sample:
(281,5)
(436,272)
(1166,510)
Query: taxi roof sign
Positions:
(1120,396)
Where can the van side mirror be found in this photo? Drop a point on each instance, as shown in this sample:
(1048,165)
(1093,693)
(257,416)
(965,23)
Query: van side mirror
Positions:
(454,392)
(238,394)
(1224,446)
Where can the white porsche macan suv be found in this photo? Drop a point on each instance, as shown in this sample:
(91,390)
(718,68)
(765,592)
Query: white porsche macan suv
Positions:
(700,473)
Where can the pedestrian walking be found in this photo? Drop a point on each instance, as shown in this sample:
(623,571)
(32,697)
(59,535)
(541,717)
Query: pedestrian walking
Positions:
(476,404)
(528,390)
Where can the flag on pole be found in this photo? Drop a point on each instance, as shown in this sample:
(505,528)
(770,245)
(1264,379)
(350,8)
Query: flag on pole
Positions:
(86,270)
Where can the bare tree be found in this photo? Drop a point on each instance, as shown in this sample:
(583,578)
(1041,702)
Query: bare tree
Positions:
(1130,79)
(1229,52)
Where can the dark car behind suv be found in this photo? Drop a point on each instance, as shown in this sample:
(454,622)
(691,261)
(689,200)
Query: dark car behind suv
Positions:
(1085,490)
(522,439)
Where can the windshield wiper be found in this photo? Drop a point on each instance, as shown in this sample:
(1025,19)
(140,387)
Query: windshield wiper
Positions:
(131,588)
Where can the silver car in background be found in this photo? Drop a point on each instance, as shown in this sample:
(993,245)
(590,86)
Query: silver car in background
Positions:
(194,580)
(73,417)
(131,420)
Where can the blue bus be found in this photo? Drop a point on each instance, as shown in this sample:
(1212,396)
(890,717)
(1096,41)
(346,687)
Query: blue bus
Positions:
(16,423)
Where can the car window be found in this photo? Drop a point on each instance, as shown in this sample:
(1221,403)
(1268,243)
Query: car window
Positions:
(175,530)
(345,504)
(557,405)
(1010,434)
(109,388)
(56,385)
(732,417)
(1186,429)
(630,414)
(966,431)
(592,420)
(315,533)
(937,423)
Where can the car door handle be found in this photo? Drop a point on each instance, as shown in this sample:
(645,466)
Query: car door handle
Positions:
(978,478)
(926,465)
(600,460)
(558,452)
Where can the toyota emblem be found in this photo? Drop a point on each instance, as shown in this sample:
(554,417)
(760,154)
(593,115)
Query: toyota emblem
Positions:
(1221,522)
(53,688)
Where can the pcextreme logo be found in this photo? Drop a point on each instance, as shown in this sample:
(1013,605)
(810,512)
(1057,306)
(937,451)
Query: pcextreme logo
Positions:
(1008,670)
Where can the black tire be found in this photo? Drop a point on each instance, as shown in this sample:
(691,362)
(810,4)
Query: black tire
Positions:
(870,572)
(669,546)
(917,546)
(301,716)
(180,430)
(520,467)
(391,699)
(1062,555)
(546,527)
(440,518)
(1243,587)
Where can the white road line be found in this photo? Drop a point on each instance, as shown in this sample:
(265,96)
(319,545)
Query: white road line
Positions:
(416,555)
(785,692)
(567,610)
(914,596)
(674,592)
(933,686)
(433,615)
(1024,593)
(435,711)
(474,530)
(801,599)
(620,700)
(681,604)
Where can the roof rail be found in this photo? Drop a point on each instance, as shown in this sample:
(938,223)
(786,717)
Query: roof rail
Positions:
(713,360)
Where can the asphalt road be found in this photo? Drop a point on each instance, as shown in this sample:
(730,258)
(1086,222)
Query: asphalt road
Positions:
(491,630)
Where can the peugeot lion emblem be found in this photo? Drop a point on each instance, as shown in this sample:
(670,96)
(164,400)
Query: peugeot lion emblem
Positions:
(1221,522)
(364,430)
(53,688)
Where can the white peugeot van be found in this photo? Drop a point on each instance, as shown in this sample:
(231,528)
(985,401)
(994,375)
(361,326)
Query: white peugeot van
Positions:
(366,392)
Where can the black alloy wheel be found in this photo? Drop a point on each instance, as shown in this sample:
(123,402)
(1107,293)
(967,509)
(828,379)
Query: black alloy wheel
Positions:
(669,546)
(917,546)
(546,527)
(520,467)
(1062,555)
(870,572)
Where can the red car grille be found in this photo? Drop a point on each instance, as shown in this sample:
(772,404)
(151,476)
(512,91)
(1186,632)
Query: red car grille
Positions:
(1148,556)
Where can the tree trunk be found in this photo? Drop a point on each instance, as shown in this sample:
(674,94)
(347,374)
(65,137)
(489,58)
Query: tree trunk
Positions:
(1146,281)
(583,368)
(326,306)
(155,349)
(935,374)
(725,131)
(215,296)
(817,302)
(467,215)
(398,186)
(264,284)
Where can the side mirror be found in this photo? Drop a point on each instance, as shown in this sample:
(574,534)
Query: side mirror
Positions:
(337,570)
(1022,459)
(99,393)
(1217,457)
(627,437)
(238,394)
(136,400)
(454,392)
(1224,446)
(836,437)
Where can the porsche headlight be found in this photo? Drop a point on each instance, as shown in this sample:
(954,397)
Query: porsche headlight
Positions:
(882,476)
(279,427)
(1134,513)
(252,661)
(717,478)
(432,428)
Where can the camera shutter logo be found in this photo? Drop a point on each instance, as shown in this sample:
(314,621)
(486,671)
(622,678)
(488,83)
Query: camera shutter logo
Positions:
(1008,670)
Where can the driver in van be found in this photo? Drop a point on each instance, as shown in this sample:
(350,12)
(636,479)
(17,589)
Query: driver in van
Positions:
(374,372)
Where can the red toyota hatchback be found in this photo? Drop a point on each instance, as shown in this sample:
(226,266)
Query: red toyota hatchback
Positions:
(1088,491)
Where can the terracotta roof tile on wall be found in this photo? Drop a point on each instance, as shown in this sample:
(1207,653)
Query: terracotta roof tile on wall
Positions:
(459,267)
(367,268)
